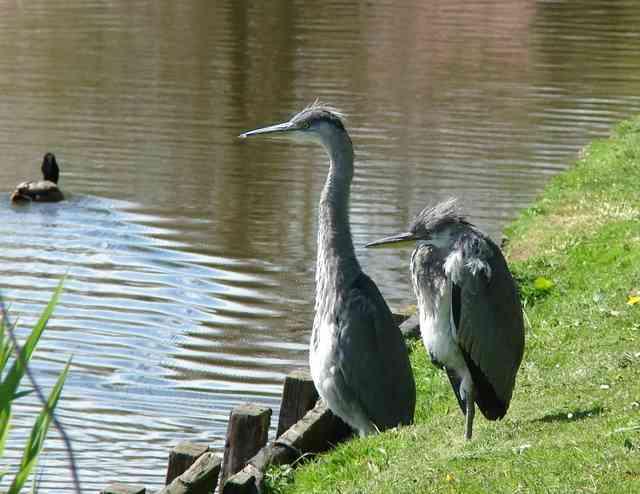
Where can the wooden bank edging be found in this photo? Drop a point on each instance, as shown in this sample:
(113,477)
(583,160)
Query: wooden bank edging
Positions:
(305,426)
(319,430)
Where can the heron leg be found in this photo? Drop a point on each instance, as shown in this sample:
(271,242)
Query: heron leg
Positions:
(470,405)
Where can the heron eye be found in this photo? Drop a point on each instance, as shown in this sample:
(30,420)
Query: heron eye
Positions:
(306,125)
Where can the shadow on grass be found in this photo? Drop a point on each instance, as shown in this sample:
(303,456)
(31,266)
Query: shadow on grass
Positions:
(571,416)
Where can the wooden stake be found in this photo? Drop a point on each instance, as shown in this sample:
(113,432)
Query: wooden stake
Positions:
(118,488)
(246,433)
(299,395)
(182,457)
(317,431)
(200,478)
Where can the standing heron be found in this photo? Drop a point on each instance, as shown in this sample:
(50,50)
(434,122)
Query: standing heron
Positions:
(470,313)
(357,356)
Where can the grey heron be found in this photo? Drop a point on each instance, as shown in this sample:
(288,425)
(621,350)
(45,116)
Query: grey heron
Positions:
(357,356)
(470,313)
(45,190)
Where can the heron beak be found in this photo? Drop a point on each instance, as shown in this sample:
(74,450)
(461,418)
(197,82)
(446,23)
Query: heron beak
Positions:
(272,129)
(395,241)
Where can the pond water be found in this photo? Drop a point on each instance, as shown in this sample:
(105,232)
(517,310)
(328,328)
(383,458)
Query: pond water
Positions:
(190,254)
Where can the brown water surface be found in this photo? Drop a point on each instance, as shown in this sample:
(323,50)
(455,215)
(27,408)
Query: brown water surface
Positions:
(191,254)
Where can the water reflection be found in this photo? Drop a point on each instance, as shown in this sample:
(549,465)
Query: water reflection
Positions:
(191,255)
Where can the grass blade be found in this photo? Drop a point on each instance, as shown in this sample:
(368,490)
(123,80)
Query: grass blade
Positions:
(10,384)
(5,420)
(38,434)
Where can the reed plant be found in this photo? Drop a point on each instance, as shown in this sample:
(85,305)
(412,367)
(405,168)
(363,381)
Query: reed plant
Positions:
(14,362)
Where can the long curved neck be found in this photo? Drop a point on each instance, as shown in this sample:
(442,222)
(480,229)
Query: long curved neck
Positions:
(336,265)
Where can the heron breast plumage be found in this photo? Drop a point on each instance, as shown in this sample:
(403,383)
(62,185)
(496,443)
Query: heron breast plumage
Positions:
(330,382)
(436,325)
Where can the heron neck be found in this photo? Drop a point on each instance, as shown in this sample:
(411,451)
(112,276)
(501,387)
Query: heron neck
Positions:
(336,265)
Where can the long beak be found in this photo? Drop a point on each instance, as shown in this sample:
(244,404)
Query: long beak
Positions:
(395,241)
(271,129)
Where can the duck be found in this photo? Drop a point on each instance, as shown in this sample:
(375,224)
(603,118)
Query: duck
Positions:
(45,190)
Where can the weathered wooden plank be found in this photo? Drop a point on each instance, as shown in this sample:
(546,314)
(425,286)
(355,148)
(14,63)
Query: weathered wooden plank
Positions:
(399,317)
(242,482)
(247,432)
(118,488)
(410,328)
(200,478)
(319,430)
(182,457)
(299,395)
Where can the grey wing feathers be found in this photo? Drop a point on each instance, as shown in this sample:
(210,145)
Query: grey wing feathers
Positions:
(374,361)
(490,328)
(455,381)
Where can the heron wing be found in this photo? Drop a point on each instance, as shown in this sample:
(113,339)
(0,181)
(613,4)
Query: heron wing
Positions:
(487,316)
(455,381)
(374,360)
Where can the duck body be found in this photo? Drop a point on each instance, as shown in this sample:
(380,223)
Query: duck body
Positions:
(37,191)
(45,190)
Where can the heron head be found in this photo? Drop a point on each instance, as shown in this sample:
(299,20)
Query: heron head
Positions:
(433,225)
(50,170)
(316,123)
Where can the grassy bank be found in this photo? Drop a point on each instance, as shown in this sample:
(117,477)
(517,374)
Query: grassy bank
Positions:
(574,423)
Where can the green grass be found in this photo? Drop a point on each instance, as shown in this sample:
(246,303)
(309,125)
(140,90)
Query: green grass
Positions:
(574,422)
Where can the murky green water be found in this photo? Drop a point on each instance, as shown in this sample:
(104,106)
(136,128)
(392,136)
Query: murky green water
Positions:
(191,254)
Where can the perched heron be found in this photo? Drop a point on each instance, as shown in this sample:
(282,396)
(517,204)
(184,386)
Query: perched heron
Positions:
(470,313)
(357,356)
(45,190)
